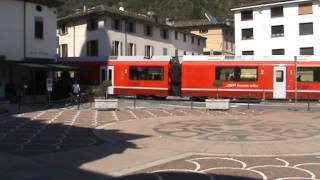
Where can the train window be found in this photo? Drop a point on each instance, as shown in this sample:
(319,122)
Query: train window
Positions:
(237,73)
(308,74)
(146,73)
(279,76)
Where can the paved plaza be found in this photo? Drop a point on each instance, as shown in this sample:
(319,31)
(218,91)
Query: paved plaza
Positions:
(160,143)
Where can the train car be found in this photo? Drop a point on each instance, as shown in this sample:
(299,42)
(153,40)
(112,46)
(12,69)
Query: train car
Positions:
(246,77)
(90,69)
(137,75)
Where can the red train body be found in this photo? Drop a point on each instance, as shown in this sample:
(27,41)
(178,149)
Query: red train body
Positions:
(210,76)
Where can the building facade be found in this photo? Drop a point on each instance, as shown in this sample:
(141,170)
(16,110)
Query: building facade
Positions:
(28,36)
(220,36)
(278,27)
(105,31)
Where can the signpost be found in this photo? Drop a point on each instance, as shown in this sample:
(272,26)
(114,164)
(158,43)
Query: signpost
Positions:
(49,88)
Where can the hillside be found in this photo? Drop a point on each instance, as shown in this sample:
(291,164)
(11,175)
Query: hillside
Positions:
(176,9)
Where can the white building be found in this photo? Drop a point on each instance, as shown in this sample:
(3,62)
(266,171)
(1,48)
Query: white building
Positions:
(28,37)
(277,27)
(105,31)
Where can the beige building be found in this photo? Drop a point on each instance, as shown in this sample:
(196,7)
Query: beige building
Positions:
(220,37)
(105,31)
(28,42)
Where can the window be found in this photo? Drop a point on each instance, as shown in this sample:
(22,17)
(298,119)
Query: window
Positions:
(278,52)
(116,48)
(199,41)
(131,27)
(247,34)
(184,38)
(203,31)
(279,76)
(63,29)
(38,28)
(148,30)
(305,8)
(92,48)
(176,35)
(248,53)
(92,24)
(192,39)
(277,31)
(164,34)
(64,50)
(306,51)
(148,51)
(132,50)
(308,74)
(146,73)
(116,25)
(277,12)
(237,73)
(246,15)
(165,51)
(306,28)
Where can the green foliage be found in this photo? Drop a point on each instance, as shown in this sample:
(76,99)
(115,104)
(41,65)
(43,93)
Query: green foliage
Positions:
(218,83)
(175,9)
(106,84)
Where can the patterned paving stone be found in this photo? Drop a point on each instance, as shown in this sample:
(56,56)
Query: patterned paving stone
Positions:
(220,167)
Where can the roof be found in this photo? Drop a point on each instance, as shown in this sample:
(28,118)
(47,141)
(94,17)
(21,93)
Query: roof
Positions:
(53,3)
(247,3)
(106,10)
(197,23)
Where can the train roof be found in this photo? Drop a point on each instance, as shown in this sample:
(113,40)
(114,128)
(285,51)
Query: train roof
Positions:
(250,58)
(140,58)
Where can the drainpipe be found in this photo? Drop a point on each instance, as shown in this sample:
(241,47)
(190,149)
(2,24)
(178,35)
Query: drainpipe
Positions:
(125,36)
(74,39)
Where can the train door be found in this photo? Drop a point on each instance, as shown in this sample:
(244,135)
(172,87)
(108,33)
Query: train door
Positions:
(2,89)
(110,77)
(280,82)
(103,74)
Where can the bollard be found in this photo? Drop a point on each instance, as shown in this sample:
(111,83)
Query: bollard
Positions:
(308,103)
(249,101)
(135,102)
(78,103)
(191,103)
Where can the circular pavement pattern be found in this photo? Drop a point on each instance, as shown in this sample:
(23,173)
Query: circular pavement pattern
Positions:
(218,168)
(239,130)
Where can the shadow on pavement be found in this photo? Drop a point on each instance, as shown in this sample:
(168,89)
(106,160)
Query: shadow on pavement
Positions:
(182,176)
(43,148)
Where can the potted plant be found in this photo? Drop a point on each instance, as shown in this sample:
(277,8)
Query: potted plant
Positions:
(102,102)
(217,104)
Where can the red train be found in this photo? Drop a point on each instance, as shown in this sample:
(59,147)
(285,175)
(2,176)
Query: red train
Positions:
(208,76)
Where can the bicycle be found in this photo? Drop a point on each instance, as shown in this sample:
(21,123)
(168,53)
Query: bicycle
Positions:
(79,100)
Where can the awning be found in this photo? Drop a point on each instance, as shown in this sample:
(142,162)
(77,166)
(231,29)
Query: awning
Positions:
(61,67)
(31,65)
(2,57)
(47,67)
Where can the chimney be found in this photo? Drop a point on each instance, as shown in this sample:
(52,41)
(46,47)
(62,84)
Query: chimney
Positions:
(169,22)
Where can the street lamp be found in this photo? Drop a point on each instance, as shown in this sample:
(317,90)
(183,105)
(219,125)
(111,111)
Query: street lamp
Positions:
(296,80)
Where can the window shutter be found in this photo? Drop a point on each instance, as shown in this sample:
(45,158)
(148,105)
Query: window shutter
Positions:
(152,51)
(113,47)
(120,50)
(305,8)
(120,26)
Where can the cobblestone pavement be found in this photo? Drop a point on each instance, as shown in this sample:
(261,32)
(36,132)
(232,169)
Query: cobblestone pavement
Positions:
(57,130)
(238,167)
(236,144)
